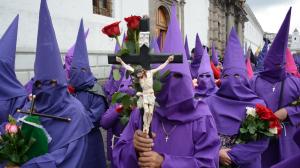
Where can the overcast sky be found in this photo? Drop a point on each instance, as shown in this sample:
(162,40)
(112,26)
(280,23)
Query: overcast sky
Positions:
(270,13)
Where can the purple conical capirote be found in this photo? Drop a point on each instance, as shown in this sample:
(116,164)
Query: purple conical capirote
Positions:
(10,87)
(233,57)
(205,66)
(80,56)
(198,51)
(80,79)
(177,106)
(187,49)
(214,54)
(48,64)
(260,59)
(195,64)
(159,40)
(154,45)
(69,57)
(274,62)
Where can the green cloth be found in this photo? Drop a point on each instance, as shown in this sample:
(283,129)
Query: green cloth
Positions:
(32,128)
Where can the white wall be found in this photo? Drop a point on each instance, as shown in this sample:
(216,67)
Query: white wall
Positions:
(66,15)
(253,36)
(196,21)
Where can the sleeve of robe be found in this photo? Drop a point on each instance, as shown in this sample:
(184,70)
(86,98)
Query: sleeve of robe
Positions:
(97,107)
(124,154)
(206,147)
(109,118)
(246,153)
(71,155)
(294,111)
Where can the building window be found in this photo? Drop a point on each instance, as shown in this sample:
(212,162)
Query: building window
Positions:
(102,7)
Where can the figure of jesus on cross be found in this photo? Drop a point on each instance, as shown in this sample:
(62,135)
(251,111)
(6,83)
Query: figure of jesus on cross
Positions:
(147,96)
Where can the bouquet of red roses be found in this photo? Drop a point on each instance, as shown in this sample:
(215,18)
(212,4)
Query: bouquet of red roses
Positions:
(260,122)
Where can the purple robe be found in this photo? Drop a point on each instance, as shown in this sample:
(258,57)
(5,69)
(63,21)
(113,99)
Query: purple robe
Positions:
(90,94)
(228,105)
(268,85)
(192,144)
(12,93)
(111,120)
(95,106)
(282,148)
(294,161)
(69,139)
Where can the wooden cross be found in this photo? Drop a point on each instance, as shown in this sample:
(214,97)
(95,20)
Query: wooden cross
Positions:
(145,59)
(32,110)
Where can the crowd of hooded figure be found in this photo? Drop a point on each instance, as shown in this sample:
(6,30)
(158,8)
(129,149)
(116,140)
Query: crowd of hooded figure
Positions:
(201,105)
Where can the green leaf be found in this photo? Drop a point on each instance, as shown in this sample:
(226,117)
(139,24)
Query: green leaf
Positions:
(116,97)
(124,51)
(165,74)
(157,86)
(124,120)
(116,74)
(251,129)
(243,130)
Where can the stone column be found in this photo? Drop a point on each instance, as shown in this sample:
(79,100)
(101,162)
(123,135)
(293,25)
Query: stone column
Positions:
(229,19)
(240,30)
(182,3)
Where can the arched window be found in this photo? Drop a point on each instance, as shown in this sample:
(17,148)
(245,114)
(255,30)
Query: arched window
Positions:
(102,7)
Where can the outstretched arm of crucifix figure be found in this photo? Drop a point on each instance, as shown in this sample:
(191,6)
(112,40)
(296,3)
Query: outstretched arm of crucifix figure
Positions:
(162,66)
(126,66)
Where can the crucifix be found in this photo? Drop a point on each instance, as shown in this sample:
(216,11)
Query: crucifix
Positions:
(145,74)
(32,112)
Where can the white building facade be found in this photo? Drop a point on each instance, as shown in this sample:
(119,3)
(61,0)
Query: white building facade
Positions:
(193,15)
(253,33)
(66,17)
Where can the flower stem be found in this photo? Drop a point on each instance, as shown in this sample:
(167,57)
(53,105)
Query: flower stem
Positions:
(118,42)
(136,41)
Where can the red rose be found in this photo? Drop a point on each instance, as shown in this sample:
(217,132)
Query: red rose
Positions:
(119,108)
(275,124)
(264,113)
(71,89)
(112,30)
(133,22)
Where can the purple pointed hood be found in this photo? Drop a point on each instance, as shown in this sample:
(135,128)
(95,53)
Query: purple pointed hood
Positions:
(48,64)
(235,84)
(260,59)
(10,87)
(206,81)
(180,105)
(154,45)
(81,76)
(229,104)
(214,55)
(274,62)
(195,64)
(50,89)
(187,49)
(159,38)
(69,57)
(234,57)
